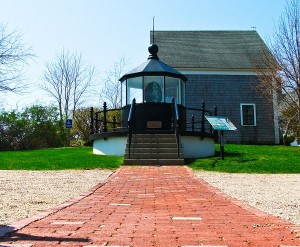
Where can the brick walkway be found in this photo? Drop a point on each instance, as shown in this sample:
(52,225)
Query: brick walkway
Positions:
(153,206)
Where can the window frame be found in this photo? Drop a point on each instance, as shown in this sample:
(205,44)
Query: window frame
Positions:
(254,114)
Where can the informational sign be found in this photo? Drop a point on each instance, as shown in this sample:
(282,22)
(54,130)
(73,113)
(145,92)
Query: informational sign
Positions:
(69,123)
(220,123)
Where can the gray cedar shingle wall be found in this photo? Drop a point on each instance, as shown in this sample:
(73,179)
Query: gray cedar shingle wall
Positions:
(228,51)
(227,92)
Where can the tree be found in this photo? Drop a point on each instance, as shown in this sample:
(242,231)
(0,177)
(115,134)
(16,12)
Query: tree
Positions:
(13,55)
(33,128)
(281,76)
(67,79)
(111,91)
(81,125)
(43,129)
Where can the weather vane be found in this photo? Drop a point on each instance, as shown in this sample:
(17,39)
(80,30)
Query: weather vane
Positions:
(153,30)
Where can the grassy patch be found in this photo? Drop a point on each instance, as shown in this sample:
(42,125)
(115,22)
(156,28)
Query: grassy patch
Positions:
(57,159)
(238,159)
(252,159)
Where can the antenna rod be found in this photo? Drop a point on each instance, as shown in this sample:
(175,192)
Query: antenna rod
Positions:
(153,31)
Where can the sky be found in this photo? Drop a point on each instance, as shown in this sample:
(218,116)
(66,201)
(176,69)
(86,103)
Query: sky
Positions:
(106,30)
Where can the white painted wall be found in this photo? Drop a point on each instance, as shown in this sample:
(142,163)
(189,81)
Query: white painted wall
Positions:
(111,146)
(192,146)
(195,147)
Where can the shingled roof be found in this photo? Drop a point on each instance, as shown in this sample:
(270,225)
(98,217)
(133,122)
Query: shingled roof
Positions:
(225,50)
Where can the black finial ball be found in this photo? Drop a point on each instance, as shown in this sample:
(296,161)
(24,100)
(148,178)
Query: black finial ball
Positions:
(153,49)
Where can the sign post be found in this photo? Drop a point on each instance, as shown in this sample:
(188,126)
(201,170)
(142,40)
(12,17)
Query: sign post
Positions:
(221,124)
(69,127)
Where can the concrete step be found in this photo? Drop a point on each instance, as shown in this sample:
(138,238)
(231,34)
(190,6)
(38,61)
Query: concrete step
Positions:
(152,145)
(153,140)
(154,162)
(151,150)
(153,135)
(152,155)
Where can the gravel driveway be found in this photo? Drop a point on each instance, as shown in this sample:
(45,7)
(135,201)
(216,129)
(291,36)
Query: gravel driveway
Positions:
(25,193)
(276,194)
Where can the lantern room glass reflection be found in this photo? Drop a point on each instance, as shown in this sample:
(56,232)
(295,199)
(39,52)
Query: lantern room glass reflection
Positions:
(153,89)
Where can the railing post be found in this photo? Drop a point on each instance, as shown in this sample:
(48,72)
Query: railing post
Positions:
(203,120)
(211,130)
(193,123)
(175,124)
(215,114)
(173,115)
(96,122)
(92,121)
(114,123)
(104,117)
(131,125)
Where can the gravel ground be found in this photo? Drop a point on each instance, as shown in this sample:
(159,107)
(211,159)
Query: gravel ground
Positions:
(25,193)
(276,194)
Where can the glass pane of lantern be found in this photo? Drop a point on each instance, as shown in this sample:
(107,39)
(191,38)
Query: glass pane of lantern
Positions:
(154,89)
(123,92)
(135,90)
(172,90)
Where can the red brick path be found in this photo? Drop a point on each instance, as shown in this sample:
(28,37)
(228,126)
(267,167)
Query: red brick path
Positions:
(155,206)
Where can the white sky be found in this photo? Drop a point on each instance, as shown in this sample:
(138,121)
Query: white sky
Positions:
(104,31)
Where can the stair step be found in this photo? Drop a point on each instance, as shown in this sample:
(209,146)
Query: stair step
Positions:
(152,155)
(157,162)
(152,145)
(152,150)
(153,135)
(153,140)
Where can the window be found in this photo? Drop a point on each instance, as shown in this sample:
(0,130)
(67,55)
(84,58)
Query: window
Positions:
(153,89)
(172,90)
(135,90)
(248,115)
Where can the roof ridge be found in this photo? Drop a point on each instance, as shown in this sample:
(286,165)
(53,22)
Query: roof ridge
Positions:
(204,31)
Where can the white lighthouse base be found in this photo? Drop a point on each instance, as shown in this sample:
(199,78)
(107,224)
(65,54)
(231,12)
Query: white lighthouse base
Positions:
(114,145)
(192,146)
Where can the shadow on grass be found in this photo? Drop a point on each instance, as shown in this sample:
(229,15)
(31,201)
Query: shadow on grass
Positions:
(228,154)
(233,162)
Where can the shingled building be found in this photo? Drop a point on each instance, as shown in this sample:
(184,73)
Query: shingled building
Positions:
(219,66)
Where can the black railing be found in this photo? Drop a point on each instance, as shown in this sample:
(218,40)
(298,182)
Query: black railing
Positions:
(198,122)
(175,124)
(99,121)
(131,125)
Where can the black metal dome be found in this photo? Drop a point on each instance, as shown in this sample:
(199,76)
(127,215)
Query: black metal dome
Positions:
(153,67)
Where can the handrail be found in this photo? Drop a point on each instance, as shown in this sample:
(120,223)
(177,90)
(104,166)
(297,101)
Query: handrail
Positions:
(198,109)
(202,120)
(103,122)
(176,125)
(131,124)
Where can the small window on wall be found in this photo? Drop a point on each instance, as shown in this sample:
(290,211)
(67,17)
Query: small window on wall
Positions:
(248,115)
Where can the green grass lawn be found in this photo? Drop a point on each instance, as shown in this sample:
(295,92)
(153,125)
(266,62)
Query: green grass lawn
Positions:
(57,159)
(238,159)
(252,159)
